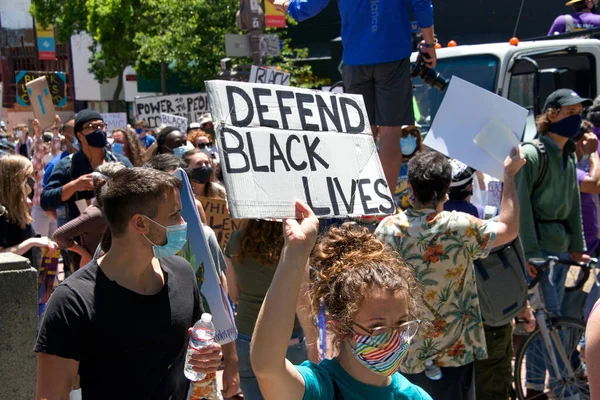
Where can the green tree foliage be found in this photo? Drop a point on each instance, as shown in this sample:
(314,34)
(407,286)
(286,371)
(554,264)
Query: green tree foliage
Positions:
(186,35)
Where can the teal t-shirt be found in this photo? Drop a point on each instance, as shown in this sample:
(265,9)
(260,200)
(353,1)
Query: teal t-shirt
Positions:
(319,386)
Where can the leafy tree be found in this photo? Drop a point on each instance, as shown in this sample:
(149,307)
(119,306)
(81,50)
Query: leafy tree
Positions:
(112,26)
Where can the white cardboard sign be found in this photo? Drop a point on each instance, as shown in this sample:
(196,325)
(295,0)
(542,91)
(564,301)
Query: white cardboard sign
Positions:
(465,112)
(114,121)
(174,120)
(191,106)
(269,75)
(279,144)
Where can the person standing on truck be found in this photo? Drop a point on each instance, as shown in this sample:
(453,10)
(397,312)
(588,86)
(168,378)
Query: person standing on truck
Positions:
(583,18)
(551,223)
(377,46)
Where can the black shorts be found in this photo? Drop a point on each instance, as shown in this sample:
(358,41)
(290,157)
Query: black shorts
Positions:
(387,90)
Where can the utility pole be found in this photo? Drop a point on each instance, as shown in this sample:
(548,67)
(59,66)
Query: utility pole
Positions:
(256,31)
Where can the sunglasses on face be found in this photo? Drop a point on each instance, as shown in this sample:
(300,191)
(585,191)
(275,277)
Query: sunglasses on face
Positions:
(408,329)
(202,146)
(95,126)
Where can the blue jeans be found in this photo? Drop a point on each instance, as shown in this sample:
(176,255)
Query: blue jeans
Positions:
(296,354)
(536,364)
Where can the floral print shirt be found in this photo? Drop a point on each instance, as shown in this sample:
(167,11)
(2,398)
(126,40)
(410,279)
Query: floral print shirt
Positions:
(441,249)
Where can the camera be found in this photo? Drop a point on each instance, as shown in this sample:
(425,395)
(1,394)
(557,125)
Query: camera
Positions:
(428,75)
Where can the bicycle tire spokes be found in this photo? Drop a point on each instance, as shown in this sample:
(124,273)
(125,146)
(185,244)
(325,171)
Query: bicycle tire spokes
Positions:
(560,368)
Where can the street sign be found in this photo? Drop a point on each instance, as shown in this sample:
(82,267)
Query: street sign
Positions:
(239,45)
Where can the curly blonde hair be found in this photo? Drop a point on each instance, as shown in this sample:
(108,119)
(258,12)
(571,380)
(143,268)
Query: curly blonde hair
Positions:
(14,171)
(261,240)
(348,262)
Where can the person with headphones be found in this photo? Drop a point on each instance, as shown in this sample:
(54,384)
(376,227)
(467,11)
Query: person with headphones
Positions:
(583,18)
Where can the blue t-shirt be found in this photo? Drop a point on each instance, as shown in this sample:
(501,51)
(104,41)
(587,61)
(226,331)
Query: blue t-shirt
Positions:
(373,32)
(50,167)
(318,383)
(147,140)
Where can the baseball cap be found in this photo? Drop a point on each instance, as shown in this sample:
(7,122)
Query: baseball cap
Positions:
(570,3)
(565,97)
(205,118)
(462,174)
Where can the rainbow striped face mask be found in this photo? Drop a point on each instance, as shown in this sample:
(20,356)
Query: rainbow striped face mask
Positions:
(383,353)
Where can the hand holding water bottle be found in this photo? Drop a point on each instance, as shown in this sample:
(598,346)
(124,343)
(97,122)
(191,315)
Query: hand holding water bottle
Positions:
(204,355)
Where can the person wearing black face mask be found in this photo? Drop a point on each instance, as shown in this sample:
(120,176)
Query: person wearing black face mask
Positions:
(550,204)
(71,178)
(201,173)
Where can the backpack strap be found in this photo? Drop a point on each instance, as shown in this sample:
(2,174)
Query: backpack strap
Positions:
(543,157)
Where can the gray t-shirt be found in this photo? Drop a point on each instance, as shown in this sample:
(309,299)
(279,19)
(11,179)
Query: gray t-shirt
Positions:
(215,250)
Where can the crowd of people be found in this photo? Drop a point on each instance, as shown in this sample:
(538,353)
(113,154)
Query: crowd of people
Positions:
(370,309)
(396,297)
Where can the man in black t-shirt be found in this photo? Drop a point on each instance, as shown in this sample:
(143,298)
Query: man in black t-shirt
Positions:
(122,322)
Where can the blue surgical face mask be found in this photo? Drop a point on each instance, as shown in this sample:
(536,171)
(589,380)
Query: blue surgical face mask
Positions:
(176,239)
(118,148)
(180,151)
(76,143)
(569,127)
(139,131)
(409,145)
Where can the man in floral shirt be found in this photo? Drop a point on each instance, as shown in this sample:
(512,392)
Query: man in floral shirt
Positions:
(441,247)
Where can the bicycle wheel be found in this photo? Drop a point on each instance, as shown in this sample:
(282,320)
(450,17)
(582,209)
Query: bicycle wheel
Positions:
(570,331)
(576,278)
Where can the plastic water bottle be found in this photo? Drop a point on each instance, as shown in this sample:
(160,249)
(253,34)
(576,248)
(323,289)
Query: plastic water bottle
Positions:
(432,371)
(203,335)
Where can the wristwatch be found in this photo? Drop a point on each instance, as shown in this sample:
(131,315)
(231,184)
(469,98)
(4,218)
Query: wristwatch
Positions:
(428,46)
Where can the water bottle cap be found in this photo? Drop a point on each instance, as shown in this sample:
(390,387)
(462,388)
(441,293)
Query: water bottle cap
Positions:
(206,317)
(428,363)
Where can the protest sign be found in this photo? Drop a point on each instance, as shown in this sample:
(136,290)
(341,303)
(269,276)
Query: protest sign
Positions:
(494,197)
(197,253)
(174,120)
(281,144)
(274,18)
(269,75)
(41,102)
(464,113)
(219,219)
(191,106)
(114,121)
(57,84)
(46,277)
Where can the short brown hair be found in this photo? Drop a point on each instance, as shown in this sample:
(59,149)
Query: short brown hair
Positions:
(134,191)
(542,122)
(349,261)
(141,123)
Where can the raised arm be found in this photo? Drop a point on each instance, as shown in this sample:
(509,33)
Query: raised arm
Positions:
(508,223)
(275,322)
(300,9)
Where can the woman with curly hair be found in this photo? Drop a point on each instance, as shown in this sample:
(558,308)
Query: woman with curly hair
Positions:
(127,143)
(371,304)
(16,233)
(252,254)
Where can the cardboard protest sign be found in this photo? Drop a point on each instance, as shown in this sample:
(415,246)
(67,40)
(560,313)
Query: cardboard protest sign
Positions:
(465,112)
(41,102)
(46,277)
(191,106)
(57,84)
(279,144)
(269,75)
(174,120)
(149,152)
(197,253)
(219,219)
(114,121)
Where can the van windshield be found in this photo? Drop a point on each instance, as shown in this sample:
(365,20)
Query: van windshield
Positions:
(481,70)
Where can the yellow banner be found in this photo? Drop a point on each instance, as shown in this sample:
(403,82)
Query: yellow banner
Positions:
(273,17)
